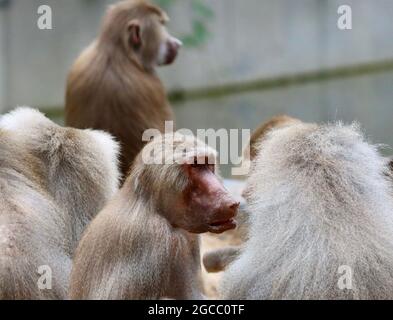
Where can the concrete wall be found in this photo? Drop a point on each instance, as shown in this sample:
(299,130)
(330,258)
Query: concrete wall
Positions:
(251,39)
(258,39)
(3,57)
(38,60)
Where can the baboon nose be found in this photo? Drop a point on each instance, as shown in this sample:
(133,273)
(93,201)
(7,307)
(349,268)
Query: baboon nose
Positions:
(231,209)
(235,206)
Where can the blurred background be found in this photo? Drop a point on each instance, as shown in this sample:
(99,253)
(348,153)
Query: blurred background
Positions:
(243,61)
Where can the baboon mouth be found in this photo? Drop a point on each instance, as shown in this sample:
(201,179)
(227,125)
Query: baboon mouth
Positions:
(171,56)
(221,226)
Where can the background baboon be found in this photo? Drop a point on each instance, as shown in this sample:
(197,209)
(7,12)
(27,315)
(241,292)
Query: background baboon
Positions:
(318,200)
(53,181)
(144,243)
(262,132)
(263,129)
(113,84)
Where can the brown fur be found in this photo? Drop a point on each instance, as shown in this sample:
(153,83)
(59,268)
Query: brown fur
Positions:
(111,87)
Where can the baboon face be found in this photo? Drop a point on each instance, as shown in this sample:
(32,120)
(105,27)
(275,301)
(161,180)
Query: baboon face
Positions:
(148,37)
(188,192)
(203,205)
(209,206)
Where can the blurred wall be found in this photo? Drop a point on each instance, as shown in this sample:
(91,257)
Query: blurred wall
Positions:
(250,39)
(3,60)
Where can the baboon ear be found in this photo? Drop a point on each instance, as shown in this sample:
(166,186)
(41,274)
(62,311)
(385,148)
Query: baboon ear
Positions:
(391,164)
(134,31)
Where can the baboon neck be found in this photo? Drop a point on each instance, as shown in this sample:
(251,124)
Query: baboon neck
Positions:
(140,211)
(121,56)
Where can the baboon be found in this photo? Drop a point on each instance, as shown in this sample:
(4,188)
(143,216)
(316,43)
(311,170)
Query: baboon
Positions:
(113,85)
(53,181)
(319,204)
(218,260)
(144,244)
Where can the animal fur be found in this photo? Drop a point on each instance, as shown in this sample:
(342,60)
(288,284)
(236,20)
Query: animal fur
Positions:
(318,200)
(53,181)
(131,250)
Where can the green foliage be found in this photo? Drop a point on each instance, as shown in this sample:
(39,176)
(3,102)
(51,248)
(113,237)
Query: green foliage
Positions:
(201,15)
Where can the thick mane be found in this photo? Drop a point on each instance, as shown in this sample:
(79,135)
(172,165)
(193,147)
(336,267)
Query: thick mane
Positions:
(319,200)
(331,163)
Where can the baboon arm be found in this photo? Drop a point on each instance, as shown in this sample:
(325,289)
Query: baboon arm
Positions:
(218,260)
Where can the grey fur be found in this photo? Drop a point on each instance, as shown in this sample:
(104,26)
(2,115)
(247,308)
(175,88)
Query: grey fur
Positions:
(53,181)
(318,200)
